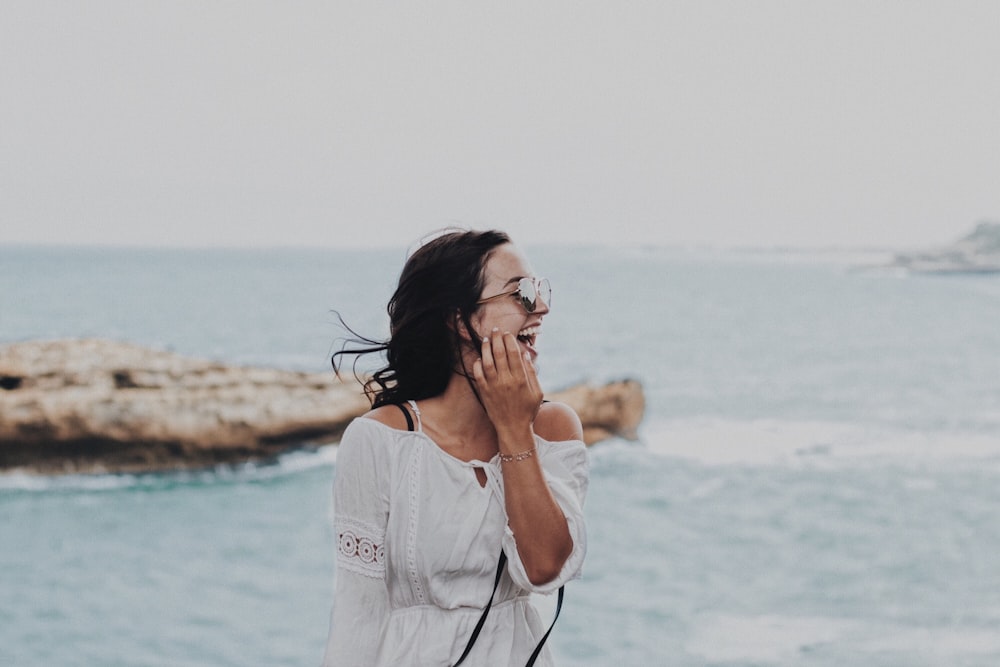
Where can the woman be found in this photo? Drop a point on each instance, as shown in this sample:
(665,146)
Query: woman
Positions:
(421,514)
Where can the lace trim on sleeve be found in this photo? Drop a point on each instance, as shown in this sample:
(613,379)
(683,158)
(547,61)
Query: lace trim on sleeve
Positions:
(360,548)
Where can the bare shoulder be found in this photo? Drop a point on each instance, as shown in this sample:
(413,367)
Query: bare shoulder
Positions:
(388,415)
(557,422)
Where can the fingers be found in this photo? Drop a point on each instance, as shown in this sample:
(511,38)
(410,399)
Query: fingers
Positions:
(500,344)
(486,361)
(502,360)
(506,379)
(515,357)
(500,353)
(531,374)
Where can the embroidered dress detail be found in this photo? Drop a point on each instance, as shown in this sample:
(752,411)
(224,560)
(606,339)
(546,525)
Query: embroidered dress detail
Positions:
(360,548)
(416,459)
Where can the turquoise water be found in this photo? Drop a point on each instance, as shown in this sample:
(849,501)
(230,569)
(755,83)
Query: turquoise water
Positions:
(816,481)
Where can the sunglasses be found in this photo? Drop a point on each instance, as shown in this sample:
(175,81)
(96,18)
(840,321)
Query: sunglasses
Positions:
(528,291)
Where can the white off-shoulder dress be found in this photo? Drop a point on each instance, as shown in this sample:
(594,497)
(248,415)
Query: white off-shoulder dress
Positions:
(418,540)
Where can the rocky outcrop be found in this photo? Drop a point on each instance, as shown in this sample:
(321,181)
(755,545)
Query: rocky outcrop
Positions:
(978,252)
(98,405)
(607,411)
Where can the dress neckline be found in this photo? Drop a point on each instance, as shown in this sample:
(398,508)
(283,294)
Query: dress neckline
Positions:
(494,460)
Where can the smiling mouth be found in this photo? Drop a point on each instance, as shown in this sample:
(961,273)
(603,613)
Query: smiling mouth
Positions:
(527,338)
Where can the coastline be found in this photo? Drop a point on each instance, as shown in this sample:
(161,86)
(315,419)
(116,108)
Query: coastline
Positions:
(99,406)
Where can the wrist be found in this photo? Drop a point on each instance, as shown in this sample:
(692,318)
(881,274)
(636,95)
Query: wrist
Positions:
(520,456)
(513,439)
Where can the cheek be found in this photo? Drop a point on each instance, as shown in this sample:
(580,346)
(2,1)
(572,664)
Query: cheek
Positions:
(506,320)
(512,322)
(477,324)
(483,323)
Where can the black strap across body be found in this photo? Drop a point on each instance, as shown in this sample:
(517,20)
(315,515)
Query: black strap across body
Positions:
(496,584)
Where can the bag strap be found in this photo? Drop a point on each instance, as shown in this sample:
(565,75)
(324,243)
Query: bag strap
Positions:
(538,649)
(486,610)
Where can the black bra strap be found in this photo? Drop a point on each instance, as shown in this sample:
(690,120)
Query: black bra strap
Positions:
(406,413)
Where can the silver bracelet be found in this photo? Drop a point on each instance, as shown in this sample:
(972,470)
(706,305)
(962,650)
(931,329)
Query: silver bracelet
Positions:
(520,456)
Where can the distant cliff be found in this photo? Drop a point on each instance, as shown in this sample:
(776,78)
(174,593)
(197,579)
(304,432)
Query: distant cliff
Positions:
(103,406)
(978,252)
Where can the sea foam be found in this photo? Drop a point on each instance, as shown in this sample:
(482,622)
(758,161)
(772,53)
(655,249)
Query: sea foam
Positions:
(769,442)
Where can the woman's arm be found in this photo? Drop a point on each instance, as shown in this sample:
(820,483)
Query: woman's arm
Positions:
(361,602)
(509,389)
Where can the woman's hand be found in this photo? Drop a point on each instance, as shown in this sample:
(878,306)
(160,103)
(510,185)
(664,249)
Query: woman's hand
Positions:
(507,382)
(508,387)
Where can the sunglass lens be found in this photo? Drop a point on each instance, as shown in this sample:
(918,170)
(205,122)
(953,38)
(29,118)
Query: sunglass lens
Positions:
(545,291)
(526,289)
(530,291)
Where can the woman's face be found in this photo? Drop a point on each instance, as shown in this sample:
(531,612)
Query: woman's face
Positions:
(504,269)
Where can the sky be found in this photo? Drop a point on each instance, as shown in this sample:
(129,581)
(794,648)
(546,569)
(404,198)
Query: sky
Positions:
(194,123)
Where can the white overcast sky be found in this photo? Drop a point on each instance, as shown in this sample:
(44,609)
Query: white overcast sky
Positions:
(364,123)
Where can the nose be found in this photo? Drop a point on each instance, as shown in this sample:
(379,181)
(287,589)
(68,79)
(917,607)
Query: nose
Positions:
(541,305)
(543,297)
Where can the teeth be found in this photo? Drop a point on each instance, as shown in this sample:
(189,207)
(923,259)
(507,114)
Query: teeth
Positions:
(529,331)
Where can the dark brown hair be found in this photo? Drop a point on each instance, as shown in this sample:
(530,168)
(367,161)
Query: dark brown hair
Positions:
(437,292)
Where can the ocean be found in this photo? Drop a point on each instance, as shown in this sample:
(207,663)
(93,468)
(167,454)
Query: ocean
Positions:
(816,482)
